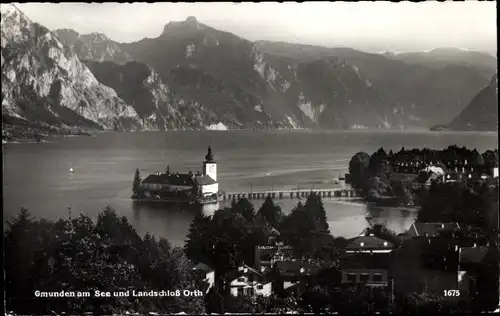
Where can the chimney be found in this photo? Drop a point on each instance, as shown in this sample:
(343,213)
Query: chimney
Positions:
(442,225)
(463,169)
(456,247)
(474,246)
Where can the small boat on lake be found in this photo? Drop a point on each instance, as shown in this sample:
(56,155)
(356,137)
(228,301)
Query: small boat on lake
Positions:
(71,170)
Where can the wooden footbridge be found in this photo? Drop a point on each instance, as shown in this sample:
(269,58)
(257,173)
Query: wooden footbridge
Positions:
(293,193)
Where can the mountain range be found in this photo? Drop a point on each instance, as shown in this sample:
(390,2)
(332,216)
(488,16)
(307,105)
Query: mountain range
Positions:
(196,77)
(482,112)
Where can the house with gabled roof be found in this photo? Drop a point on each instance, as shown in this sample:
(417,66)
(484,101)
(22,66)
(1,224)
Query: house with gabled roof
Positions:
(419,229)
(245,280)
(424,179)
(369,244)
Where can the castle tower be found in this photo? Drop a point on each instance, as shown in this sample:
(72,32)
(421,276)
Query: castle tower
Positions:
(210,166)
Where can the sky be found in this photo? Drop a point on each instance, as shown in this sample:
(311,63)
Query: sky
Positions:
(370,26)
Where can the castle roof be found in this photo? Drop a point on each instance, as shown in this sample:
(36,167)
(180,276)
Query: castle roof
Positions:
(179,179)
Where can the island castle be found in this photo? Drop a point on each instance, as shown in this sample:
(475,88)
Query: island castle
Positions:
(199,185)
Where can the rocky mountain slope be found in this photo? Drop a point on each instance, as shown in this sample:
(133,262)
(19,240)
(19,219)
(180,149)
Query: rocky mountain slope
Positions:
(439,58)
(94,46)
(156,104)
(195,77)
(44,83)
(412,91)
(482,112)
(231,75)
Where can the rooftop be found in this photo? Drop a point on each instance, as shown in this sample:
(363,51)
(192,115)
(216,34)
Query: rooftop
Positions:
(202,267)
(241,271)
(179,179)
(432,229)
(368,243)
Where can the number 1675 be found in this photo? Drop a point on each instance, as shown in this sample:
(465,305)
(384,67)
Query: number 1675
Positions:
(451,292)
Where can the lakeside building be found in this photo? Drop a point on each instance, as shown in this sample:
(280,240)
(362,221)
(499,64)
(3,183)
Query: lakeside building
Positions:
(424,179)
(197,184)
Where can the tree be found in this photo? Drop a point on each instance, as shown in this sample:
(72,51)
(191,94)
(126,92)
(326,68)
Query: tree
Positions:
(271,212)
(381,231)
(137,182)
(199,243)
(358,169)
(79,255)
(306,229)
(226,240)
(245,208)
(378,160)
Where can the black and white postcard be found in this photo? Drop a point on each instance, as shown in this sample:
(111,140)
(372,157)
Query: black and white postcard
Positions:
(258,158)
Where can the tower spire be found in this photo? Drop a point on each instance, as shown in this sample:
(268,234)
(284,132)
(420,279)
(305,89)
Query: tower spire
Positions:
(209,156)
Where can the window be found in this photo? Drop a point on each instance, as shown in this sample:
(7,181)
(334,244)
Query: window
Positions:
(241,279)
(364,277)
(260,287)
(240,291)
(351,277)
(377,277)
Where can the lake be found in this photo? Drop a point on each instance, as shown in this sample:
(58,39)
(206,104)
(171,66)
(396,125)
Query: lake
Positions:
(36,175)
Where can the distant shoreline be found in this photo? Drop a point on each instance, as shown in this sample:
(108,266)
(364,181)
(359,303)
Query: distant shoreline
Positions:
(18,135)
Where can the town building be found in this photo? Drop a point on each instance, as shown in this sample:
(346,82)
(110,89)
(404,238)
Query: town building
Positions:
(189,184)
(424,180)
(293,276)
(245,280)
(368,244)
(367,260)
(418,229)
(267,256)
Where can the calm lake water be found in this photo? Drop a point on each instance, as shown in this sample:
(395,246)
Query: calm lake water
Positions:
(36,175)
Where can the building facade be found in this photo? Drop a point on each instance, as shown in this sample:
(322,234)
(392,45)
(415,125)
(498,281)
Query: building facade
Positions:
(189,184)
